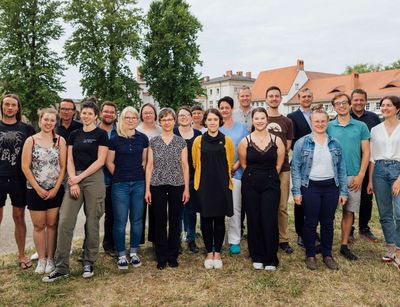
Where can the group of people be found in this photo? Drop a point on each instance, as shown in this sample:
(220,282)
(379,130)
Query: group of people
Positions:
(162,168)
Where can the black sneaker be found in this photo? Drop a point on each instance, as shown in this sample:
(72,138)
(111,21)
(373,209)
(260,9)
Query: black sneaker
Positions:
(346,252)
(286,247)
(367,235)
(161,265)
(173,263)
(53,276)
(87,271)
(193,247)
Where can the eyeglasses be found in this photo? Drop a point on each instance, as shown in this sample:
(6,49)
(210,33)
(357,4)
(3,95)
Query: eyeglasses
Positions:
(184,115)
(340,103)
(148,113)
(167,120)
(66,109)
(128,118)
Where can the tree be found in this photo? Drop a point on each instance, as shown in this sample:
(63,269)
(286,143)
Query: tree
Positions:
(362,68)
(106,38)
(28,67)
(394,65)
(170,53)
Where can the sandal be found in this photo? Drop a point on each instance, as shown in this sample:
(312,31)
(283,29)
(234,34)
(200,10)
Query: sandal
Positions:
(25,264)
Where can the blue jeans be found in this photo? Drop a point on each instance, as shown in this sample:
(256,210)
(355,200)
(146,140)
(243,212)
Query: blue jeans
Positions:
(385,174)
(189,217)
(127,198)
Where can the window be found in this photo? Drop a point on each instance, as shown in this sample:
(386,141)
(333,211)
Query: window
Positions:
(211,104)
(377,106)
(217,90)
(293,108)
(210,91)
(367,106)
(326,107)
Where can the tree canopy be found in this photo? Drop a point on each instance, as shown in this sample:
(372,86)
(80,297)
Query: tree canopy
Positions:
(28,67)
(171,53)
(368,67)
(106,38)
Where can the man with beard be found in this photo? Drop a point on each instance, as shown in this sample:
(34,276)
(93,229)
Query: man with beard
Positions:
(13,133)
(108,115)
(282,127)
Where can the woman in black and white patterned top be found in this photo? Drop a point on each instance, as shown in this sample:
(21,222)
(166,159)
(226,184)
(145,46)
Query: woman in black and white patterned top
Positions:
(167,186)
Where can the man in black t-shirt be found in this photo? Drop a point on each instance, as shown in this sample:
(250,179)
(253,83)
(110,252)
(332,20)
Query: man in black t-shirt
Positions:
(13,133)
(67,123)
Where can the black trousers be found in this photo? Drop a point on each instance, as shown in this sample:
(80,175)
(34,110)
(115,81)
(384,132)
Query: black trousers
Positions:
(299,220)
(365,205)
(213,231)
(261,195)
(108,240)
(167,209)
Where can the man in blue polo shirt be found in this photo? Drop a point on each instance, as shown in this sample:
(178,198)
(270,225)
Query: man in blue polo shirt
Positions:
(353,135)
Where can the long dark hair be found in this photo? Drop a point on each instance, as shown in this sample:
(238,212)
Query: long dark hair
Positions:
(18,116)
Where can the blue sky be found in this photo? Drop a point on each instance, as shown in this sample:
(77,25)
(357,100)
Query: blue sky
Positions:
(257,35)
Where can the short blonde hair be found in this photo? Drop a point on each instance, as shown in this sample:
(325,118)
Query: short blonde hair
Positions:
(121,127)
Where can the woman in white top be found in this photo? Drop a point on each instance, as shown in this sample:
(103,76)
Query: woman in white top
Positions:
(385,175)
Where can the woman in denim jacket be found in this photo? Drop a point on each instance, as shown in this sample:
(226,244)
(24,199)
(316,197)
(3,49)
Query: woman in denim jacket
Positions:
(319,184)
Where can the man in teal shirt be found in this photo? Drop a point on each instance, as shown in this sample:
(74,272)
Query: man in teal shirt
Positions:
(353,135)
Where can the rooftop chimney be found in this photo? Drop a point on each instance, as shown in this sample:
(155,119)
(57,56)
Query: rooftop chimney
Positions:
(300,64)
(206,78)
(239,73)
(354,80)
(229,73)
(248,74)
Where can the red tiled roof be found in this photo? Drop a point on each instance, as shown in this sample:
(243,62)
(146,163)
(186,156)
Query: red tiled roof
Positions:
(374,83)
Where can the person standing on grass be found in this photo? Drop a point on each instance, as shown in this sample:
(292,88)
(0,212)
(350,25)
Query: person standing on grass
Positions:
(236,132)
(44,163)
(87,152)
(301,127)
(126,161)
(148,126)
(213,156)
(282,127)
(108,115)
(384,175)
(167,188)
(189,134)
(261,155)
(358,102)
(13,133)
(353,135)
(197,117)
(319,183)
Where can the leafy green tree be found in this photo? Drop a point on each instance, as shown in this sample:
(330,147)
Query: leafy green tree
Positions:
(394,65)
(28,67)
(171,53)
(362,68)
(106,38)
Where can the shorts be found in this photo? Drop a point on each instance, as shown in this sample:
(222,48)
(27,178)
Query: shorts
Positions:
(354,199)
(16,188)
(36,203)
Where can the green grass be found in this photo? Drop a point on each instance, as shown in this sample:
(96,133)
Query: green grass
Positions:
(366,282)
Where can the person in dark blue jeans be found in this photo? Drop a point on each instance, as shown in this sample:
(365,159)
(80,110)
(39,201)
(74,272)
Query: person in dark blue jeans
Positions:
(319,184)
(189,217)
(126,160)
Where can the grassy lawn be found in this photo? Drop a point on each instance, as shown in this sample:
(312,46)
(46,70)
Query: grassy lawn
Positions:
(366,282)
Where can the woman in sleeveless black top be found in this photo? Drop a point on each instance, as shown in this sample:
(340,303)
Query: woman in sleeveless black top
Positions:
(261,155)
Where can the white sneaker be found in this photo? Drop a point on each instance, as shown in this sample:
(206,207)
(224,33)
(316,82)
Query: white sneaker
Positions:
(217,264)
(41,266)
(35,256)
(209,264)
(87,271)
(270,268)
(50,266)
(258,265)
